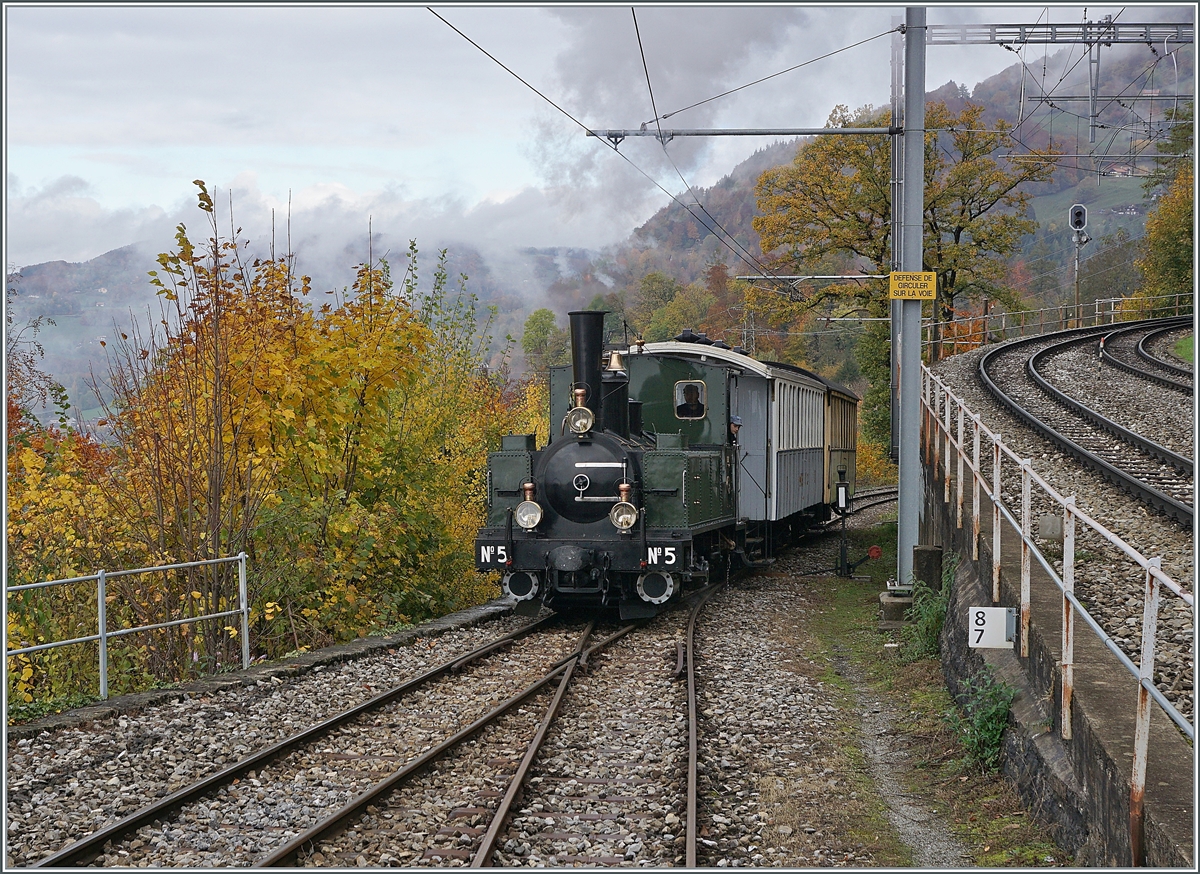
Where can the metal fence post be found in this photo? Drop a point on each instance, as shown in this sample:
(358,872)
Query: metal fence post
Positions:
(1068,626)
(1141,737)
(933,429)
(102,622)
(244,604)
(976,471)
(1026,533)
(946,464)
(996,518)
(960,464)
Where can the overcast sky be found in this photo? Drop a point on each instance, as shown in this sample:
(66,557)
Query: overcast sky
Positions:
(384,113)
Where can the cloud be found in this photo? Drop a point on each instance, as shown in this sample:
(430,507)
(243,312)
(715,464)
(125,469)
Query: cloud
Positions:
(693,54)
(61,221)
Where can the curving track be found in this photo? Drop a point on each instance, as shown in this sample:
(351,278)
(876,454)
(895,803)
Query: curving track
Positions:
(1135,350)
(1156,475)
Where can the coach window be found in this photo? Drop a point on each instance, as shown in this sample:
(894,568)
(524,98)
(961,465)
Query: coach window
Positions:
(690,400)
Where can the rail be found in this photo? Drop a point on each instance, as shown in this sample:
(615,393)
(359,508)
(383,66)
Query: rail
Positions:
(103,635)
(972,331)
(940,407)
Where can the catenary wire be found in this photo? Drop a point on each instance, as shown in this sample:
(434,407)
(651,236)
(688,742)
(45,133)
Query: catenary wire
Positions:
(773,75)
(646,70)
(715,222)
(611,147)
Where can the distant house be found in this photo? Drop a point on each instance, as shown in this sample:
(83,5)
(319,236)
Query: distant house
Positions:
(1129,209)
(1120,170)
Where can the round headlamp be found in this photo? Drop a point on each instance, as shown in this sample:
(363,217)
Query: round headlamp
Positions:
(528,514)
(580,420)
(623,515)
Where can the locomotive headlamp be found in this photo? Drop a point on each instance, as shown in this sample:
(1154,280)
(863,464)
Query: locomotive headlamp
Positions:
(528,514)
(623,515)
(580,420)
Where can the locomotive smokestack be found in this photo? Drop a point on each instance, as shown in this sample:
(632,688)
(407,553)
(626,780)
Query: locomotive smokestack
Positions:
(587,346)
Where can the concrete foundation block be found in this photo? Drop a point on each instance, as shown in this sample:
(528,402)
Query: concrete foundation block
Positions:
(893,607)
(927,566)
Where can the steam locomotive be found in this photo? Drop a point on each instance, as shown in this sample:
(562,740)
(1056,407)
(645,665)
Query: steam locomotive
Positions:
(644,489)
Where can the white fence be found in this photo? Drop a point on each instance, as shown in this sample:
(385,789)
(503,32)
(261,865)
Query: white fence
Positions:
(103,635)
(972,331)
(952,434)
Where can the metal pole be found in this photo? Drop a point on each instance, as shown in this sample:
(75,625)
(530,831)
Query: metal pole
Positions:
(996,456)
(244,605)
(1068,623)
(102,622)
(1026,539)
(961,453)
(910,500)
(1075,312)
(1141,734)
(976,472)
(897,165)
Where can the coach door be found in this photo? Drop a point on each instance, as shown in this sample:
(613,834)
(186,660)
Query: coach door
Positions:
(748,398)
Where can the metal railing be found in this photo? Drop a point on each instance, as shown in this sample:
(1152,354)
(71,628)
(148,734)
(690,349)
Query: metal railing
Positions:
(972,331)
(103,635)
(944,418)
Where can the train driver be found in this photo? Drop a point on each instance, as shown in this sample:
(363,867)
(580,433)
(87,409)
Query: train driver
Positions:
(691,408)
(735,424)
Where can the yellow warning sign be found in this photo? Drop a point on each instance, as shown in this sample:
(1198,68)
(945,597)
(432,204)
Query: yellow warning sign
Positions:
(912,286)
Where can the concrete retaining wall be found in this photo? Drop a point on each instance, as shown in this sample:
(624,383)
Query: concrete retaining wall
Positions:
(1079,786)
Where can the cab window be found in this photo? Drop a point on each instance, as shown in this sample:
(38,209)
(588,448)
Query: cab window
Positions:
(691,398)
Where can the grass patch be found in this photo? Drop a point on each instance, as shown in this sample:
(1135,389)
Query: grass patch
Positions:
(21,711)
(1186,348)
(984,717)
(944,761)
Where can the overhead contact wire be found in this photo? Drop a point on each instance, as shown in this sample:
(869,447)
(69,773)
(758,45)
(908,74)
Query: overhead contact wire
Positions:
(611,147)
(753,261)
(780,73)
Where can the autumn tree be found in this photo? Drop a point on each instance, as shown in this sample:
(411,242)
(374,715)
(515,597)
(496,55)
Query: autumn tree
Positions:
(835,199)
(192,418)
(544,343)
(653,292)
(688,308)
(1168,249)
(832,206)
(1177,148)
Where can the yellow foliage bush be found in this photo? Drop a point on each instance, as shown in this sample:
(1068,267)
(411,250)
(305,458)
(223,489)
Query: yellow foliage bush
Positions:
(343,447)
(873,465)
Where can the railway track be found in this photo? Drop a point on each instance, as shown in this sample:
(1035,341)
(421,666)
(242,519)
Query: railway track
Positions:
(865,500)
(190,799)
(1130,349)
(355,787)
(1159,477)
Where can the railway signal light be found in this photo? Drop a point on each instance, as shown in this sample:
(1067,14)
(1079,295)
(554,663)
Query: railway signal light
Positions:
(1078,217)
